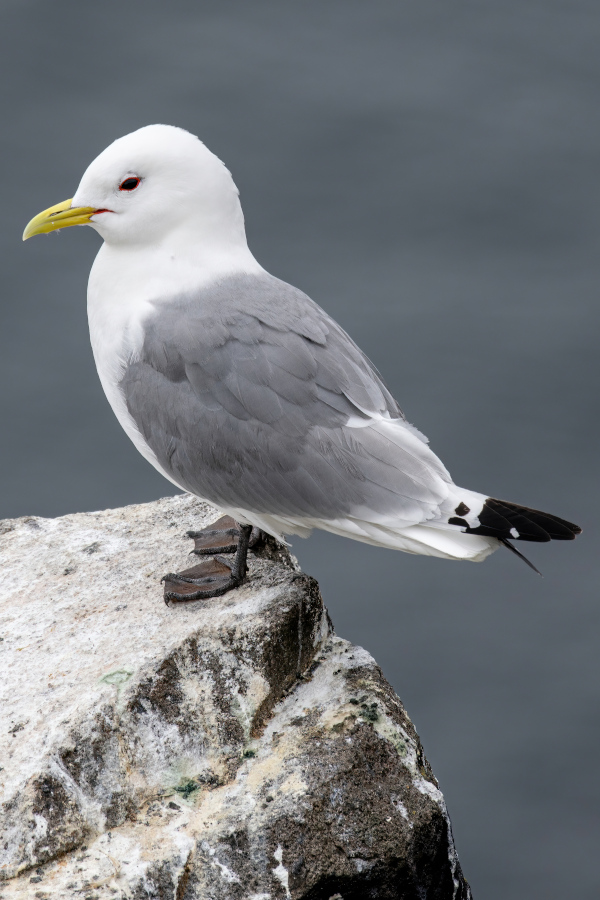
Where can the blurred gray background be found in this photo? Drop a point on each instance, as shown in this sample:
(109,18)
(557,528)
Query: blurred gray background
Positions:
(429,173)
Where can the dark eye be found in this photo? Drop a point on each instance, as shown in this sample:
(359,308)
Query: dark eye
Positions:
(129,184)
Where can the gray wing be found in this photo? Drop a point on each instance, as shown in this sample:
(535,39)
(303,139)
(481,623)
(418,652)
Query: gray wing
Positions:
(250,396)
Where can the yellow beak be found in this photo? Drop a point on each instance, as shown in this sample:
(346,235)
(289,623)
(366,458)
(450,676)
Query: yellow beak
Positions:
(60,216)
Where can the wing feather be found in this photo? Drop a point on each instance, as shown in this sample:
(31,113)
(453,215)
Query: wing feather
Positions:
(248,392)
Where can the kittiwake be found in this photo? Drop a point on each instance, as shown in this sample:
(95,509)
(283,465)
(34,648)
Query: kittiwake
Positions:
(239,389)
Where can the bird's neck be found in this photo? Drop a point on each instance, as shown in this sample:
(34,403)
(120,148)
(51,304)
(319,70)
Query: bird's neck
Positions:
(121,275)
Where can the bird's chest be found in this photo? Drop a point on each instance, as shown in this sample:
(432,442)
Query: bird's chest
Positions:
(116,335)
(118,303)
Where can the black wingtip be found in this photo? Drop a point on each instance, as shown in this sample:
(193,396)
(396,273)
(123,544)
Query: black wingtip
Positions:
(503,519)
(518,553)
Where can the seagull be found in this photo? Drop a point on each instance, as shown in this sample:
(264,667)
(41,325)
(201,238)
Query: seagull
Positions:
(239,389)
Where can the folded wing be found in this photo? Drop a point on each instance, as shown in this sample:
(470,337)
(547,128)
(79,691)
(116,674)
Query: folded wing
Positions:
(252,397)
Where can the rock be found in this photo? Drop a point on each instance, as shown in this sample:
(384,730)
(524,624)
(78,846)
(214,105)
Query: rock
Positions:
(230,749)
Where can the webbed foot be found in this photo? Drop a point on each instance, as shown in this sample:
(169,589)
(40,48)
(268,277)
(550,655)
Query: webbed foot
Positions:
(216,576)
(222,537)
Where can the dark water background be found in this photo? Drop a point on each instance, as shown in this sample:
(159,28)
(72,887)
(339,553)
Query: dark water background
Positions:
(430,173)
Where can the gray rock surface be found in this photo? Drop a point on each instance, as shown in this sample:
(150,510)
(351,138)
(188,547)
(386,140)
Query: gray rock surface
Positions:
(230,749)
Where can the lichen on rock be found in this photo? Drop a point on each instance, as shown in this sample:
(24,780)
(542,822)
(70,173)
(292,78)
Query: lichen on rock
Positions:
(230,749)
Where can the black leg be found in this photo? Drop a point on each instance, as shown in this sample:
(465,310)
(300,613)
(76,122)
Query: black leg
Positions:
(257,537)
(212,578)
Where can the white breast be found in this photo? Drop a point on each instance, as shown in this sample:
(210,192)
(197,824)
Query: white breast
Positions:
(116,312)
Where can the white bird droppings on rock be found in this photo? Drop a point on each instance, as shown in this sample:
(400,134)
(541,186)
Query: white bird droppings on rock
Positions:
(280,872)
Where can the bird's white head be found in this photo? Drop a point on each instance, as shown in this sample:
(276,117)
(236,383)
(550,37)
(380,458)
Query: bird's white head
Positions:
(157,185)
